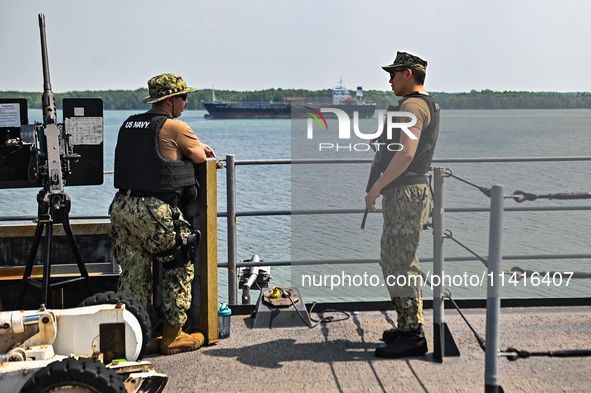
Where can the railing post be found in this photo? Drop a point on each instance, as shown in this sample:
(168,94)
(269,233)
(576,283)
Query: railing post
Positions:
(493,297)
(208,252)
(438,310)
(443,342)
(231,220)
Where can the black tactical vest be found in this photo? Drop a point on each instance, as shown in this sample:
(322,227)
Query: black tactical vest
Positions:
(421,162)
(139,166)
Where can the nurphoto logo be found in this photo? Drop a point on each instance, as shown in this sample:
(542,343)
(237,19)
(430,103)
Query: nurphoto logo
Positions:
(393,121)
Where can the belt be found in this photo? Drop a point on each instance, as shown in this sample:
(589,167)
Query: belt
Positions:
(407,180)
(414,174)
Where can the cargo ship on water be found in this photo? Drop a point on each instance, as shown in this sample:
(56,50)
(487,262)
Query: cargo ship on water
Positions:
(341,99)
(247,110)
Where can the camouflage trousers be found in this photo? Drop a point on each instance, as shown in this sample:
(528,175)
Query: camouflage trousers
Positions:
(406,209)
(141,228)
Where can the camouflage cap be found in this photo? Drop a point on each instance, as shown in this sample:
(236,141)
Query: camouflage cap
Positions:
(406,60)
(166,85)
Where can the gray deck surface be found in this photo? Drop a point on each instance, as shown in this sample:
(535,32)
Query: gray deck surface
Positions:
(339,356)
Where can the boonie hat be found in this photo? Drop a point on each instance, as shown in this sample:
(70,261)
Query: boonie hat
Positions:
(164,86)
(406,60)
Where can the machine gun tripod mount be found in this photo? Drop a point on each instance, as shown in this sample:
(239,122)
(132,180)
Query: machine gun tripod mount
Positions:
(53,153)
(53,208)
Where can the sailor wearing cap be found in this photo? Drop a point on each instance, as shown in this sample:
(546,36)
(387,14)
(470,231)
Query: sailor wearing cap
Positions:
(406,204)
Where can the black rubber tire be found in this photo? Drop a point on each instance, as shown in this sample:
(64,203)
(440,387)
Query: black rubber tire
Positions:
(73,373)
(132,306)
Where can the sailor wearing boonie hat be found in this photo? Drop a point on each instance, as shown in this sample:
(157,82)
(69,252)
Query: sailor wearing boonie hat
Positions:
(154,165)
(163,86)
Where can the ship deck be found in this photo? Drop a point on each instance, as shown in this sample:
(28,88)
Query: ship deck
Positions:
(339,356)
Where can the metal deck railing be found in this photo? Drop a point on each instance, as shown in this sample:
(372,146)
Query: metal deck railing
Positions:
(231,214)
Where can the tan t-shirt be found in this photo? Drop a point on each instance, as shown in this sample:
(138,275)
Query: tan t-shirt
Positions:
(176,139)
(420,109)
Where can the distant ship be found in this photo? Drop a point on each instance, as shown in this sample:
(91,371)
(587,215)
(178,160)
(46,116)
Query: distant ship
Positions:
(247,110)
(341,99)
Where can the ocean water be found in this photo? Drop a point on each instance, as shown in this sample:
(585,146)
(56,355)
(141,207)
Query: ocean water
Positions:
(469,133)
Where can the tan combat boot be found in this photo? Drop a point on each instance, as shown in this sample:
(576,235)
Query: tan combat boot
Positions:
(174,340)
(199,337)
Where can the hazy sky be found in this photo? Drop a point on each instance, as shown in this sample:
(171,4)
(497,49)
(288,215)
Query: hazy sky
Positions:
(257,44)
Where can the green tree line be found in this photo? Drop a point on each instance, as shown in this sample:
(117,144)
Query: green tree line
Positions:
(484,99)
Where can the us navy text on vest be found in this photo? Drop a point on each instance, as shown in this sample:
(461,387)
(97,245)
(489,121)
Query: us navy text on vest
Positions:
(137,124)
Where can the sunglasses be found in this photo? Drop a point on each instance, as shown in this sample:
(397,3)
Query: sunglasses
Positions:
(182,97)
(392,73)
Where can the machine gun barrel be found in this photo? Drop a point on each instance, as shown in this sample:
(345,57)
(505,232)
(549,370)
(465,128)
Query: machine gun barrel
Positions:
(48,100)
(50,138)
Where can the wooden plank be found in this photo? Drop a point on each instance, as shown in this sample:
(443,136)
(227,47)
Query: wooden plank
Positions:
(78,228)
(208,255)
